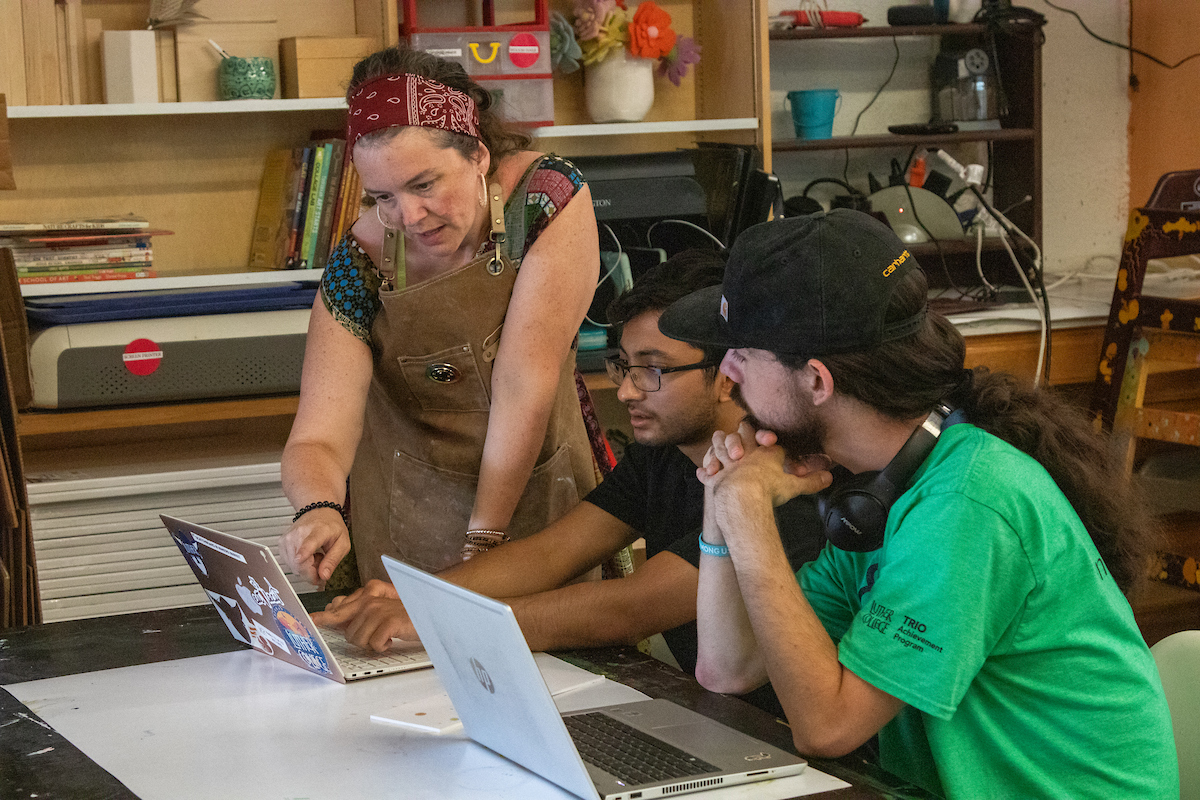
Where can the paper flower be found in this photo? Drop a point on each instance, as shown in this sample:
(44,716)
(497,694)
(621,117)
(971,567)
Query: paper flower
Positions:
(650,34)
(612,34)
(590,16)
(674,65)
(564,50)
(601,26)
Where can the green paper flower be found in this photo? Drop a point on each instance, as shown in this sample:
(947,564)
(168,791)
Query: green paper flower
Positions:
(564,50)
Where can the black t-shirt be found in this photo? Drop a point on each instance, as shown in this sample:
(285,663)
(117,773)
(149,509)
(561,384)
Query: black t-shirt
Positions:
(655,490)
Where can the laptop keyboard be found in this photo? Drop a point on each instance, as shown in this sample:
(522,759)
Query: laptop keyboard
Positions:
(628,754)
(355,659)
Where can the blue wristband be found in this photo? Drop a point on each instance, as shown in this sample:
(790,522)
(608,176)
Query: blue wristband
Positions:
(718,550)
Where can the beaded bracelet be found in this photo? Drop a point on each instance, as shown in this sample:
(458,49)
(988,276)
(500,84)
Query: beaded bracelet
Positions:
(718,550)
(320,504)
(481,540)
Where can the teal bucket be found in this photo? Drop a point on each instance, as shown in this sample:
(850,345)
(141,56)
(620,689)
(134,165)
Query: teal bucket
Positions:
(813,111)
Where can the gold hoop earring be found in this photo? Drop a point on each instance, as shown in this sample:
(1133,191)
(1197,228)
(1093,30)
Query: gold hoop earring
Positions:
(484,193)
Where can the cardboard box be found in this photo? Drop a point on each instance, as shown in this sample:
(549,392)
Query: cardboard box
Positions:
(320,66)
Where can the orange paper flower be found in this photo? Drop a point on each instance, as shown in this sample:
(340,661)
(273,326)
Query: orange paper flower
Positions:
(650,33)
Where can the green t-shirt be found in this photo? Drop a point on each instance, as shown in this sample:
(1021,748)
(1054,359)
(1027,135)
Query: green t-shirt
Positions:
(990,613)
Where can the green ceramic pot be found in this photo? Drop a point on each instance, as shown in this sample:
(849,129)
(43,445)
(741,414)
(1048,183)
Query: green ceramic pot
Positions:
(246,78)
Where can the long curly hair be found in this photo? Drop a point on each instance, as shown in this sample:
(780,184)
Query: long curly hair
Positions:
(907,378)
(500,139)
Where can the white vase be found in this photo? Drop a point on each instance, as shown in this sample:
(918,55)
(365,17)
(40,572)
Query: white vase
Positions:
(620,88)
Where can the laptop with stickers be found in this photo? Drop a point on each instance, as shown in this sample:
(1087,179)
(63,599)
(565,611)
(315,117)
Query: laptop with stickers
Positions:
(644,749)
(246,585)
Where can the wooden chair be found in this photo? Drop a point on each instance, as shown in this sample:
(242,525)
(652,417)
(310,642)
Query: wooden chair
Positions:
(1149,336)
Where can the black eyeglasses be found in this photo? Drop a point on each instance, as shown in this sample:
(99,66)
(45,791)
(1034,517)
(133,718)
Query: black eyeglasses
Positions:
(647,379)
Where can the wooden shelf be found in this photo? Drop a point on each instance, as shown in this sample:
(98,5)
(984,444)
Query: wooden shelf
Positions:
(39,423)
(874,32)
(160,109)
(635,128)
(339,104)
(898,140)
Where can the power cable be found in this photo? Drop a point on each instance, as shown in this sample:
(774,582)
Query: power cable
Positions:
(879,91)
(1120,45)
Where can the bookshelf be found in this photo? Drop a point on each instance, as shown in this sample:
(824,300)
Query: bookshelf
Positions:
(195,168)
(1013,151)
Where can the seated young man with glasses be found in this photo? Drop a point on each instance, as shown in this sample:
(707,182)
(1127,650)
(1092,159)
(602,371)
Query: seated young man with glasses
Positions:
(677,400)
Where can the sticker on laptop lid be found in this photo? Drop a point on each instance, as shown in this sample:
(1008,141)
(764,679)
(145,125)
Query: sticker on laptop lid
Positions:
(296,632)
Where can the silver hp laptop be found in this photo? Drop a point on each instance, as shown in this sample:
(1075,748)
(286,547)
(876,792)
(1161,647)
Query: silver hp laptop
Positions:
(259,606)
(650,748)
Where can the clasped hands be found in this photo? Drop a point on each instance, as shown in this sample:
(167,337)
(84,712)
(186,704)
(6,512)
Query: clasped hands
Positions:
(749,468)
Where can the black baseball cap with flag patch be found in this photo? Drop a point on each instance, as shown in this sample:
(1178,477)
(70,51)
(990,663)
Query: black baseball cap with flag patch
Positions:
(804,286)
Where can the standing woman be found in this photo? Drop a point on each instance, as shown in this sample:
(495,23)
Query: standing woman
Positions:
(439,373)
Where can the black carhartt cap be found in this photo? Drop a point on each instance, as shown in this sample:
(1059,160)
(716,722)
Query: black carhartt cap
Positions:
(807,286)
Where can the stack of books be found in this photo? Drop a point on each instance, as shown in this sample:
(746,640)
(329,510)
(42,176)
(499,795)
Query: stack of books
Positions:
(309,198)
(111,248)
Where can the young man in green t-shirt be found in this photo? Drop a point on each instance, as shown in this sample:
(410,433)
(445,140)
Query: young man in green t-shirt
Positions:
(973,613)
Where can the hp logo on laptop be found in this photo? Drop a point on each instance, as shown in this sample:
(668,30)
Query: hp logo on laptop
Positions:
(758,757)
(482,676)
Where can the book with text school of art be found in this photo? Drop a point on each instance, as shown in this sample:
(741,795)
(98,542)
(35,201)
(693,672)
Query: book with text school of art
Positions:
(98,274)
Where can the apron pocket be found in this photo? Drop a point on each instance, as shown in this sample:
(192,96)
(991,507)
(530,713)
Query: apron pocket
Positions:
(429,507)
(448,380)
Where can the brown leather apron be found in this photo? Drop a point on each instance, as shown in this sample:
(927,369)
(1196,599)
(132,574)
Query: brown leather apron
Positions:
(415,473)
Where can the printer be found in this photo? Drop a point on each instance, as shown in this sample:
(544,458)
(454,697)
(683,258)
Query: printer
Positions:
(650,206)
(167,346)
(700,197)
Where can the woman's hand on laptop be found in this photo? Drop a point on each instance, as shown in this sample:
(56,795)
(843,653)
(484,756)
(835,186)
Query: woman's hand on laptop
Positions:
(370,617)
(315,544)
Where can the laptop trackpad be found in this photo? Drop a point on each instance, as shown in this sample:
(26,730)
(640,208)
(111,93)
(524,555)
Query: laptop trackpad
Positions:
(688,730)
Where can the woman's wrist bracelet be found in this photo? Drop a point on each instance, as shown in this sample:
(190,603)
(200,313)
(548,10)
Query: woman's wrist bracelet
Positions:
(320,504)
(480,540)
(718,550)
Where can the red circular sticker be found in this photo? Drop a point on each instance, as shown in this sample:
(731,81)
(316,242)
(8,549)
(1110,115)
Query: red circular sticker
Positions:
(142,356)
(523,50)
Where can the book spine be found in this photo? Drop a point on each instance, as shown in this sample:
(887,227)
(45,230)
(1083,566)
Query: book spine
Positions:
(89,275)
(49,269)
(123,256)
(269,217)
(333,187)
(316,202)
(295,235)
(353,203)
(75,225)
(77,245)
(286,210)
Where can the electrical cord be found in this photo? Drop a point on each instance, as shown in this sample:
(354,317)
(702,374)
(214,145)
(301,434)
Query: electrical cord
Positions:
(607,275)
(1120,45)
(912,206)
(1042,303)
(879,91)
(649,243)
(971,176)
(856,193)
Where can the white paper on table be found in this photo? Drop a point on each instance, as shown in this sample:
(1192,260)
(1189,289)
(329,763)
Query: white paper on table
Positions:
(435,713)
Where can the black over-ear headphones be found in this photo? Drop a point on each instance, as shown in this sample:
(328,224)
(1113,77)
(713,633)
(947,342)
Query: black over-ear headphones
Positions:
(855,511)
